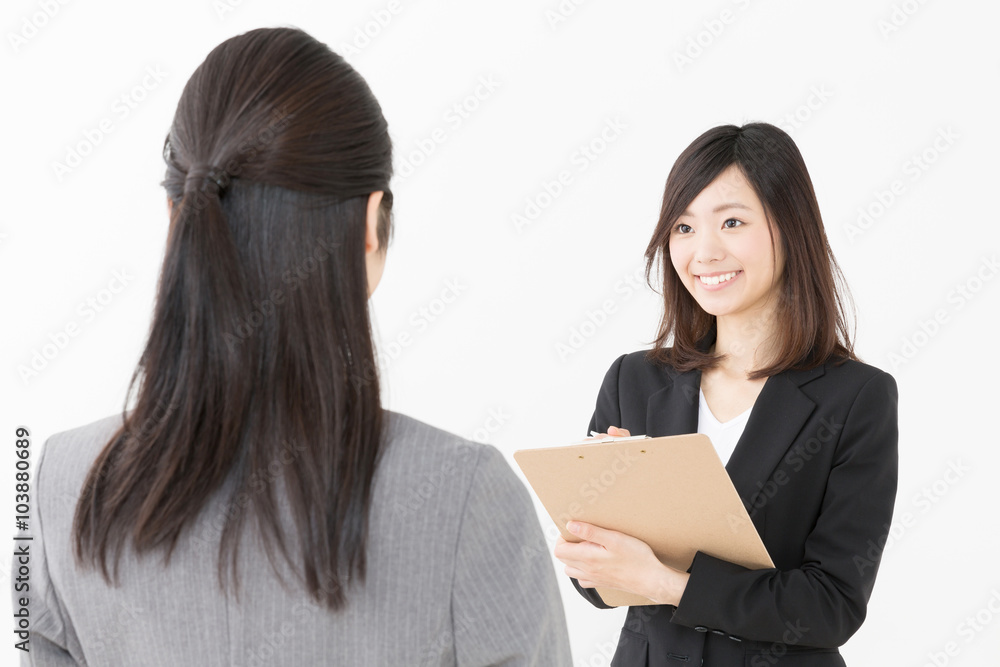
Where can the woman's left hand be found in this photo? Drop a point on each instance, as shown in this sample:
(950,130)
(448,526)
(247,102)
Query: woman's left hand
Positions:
(616,560)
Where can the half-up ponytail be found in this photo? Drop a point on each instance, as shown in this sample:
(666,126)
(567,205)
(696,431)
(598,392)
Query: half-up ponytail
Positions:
(259,375)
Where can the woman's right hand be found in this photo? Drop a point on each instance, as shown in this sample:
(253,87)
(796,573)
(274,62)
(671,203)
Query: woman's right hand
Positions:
(614,432)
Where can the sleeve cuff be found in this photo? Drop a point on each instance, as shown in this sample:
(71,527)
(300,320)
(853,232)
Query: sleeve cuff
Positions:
(699,603)
(591,595)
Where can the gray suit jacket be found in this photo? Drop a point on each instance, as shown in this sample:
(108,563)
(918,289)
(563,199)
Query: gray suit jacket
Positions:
(459,573)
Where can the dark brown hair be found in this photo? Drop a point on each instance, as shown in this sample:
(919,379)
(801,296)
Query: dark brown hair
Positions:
(811,314)
(259,365)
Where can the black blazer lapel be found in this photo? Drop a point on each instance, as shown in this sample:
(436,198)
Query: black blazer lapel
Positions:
(673,410)
(778,415)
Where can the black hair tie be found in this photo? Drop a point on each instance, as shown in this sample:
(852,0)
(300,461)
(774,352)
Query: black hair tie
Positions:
(206,179)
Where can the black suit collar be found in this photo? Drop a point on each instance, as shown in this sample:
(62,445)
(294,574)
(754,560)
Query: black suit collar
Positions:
(777,417)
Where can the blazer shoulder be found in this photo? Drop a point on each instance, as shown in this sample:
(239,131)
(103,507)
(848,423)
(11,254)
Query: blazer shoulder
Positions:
(416,450)
(638,366)
(417,439)
(81,436)
(69,454)
(421,449)
(854,373)
(844,382)
(430,472)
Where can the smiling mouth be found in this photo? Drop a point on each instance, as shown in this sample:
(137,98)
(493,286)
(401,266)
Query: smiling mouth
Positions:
(721,278)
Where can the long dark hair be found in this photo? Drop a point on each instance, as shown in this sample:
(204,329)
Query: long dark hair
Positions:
(811,316)
(260,365)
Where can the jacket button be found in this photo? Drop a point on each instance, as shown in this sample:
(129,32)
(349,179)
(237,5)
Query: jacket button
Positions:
(718,632)
(701,628)
(735,639)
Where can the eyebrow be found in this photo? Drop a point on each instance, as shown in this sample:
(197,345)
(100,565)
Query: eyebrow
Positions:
(720,207)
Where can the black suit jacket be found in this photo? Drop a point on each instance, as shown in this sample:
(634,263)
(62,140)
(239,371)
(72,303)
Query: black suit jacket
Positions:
(816,468)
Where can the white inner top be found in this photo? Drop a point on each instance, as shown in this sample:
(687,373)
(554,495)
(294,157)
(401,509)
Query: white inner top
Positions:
(724,435)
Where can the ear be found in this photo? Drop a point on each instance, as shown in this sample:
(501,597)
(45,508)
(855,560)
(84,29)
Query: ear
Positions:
(371,218)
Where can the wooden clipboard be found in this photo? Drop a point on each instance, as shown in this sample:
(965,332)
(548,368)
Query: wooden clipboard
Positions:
(671,492)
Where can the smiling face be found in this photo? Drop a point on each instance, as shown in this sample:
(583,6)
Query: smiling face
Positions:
(720,248)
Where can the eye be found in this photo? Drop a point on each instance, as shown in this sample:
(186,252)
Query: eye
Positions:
(734,220)
(681,228)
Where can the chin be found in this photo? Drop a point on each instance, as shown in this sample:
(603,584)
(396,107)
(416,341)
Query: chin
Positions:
(714,308)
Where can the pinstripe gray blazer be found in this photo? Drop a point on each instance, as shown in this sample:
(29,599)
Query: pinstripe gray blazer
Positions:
(459,573)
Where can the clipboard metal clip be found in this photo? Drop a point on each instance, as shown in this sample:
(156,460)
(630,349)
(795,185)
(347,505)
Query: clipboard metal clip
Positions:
(613,438)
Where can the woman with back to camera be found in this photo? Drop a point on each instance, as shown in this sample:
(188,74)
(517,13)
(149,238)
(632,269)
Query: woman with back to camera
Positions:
(258,506)
(762,362)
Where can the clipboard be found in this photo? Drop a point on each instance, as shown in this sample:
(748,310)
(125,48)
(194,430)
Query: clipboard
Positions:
(672,492)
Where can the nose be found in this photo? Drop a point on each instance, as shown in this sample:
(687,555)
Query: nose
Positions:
(708,248)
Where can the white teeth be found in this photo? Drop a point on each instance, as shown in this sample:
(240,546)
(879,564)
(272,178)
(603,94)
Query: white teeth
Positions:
(715,280)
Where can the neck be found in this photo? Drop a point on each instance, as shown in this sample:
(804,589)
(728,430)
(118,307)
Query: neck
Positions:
(747,340)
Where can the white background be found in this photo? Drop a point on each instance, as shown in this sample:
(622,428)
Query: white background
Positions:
(861,101)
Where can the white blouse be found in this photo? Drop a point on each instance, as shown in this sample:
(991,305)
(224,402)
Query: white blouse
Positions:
(724,435)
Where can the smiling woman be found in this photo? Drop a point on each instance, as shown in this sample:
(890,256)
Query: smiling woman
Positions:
(760,359)
(754,176)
